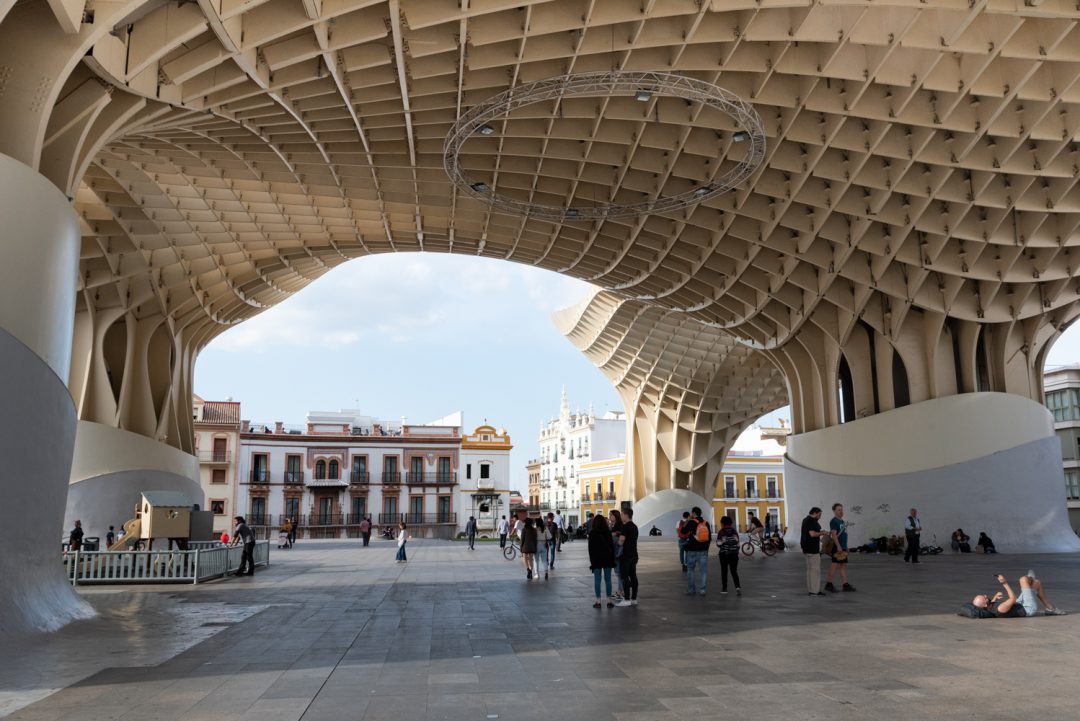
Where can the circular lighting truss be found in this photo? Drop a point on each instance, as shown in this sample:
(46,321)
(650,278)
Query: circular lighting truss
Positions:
(642,86)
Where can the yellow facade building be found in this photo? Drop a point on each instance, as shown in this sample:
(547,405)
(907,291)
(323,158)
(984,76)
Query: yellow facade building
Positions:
(599,482)
(751,484)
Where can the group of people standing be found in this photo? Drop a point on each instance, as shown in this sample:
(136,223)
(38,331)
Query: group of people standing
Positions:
(613,546)
(694,536)
(540,539)
(836,547)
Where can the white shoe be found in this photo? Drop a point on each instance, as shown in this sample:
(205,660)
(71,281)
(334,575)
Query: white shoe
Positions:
(634,602)
(624,603)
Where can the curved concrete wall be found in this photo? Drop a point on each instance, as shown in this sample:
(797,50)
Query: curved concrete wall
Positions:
(925,435)
(1015,493)
(39,235)
(112,466)
(37,433)
(663,509)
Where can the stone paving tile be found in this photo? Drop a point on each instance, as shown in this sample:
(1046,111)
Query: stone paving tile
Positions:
(333,631)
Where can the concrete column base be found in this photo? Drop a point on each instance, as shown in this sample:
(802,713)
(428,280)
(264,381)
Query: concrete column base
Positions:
(37,433)
(977,461)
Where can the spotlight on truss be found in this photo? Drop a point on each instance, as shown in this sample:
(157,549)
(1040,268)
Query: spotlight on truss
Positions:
(480,187)
(740,136)
(485,130)
(643,96)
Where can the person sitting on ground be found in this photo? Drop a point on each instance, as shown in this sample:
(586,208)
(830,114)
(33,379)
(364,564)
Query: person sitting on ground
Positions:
(1008,605)
(654,531)
(960,541)
(986,543)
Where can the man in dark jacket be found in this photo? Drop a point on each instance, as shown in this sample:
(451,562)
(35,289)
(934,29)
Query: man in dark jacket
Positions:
(75,539)
(628,538)
(244,534)
(470,532)
(810,540)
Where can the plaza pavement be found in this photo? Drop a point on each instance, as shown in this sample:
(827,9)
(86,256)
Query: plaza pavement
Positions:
(335,631)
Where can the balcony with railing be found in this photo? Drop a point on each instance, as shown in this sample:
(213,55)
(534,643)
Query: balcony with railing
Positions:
(258,519)
(751,494)
(214,457)
(545,506)
(586,498)
(438,478)
(293,478)
(259,476)
(391,478)
(359,478)
(428,519)
(609,496)
(325,519)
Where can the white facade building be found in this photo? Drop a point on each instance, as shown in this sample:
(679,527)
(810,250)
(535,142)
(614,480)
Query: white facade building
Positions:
(343,466)
(568,441)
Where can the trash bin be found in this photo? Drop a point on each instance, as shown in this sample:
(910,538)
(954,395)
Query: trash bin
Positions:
(91,543)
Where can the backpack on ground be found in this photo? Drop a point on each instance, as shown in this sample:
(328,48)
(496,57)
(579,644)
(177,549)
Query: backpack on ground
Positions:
(702,534)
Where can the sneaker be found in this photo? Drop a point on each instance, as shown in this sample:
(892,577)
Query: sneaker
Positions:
(830,588)
(528,575)
(848,587)
(684,568)
(738,591)
(1031,575)
(701,593)
(597,604)
(632,603)
(1054,612)
(724,592)
(545,575)
(819,593)
(610,603)
(690,592)
(624,603)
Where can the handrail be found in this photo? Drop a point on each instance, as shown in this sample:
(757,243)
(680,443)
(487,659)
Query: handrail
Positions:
(192,566)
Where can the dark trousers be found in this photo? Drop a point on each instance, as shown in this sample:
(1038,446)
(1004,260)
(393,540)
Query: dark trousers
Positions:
(472,541)
(911,552)
(367,538)
(628,570)
(729,562)
(247,559)
(502,540)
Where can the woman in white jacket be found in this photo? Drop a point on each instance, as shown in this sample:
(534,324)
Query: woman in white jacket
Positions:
(402,539)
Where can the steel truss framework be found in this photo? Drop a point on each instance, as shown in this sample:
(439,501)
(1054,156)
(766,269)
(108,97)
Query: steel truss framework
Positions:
(912,221)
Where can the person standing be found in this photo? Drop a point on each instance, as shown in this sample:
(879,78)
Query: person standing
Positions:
(286,533)
(698,535)
(75,538)
(110,537)
(628,538)
(504,530)
(243,534)
(402,539)
(913,534)
(727,540)
(601,558)
(528,547)
(470,532)
(292,533)
(615,526)
(838,531)
(810,541)
(543,540)
(365,530)
(682,538)
(561,525)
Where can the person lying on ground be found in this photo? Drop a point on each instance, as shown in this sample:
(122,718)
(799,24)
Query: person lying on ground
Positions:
(1007,604)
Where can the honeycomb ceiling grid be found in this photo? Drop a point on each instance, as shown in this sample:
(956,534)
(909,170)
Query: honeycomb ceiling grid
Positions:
(918,156)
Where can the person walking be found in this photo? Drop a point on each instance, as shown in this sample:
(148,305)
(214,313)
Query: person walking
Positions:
(912,534)
(528,547)
(838,531)
(601,558)
(810,541)
(698,535)
(110,537)
(292,533)
(727,541)
(365,530)
(504,530)
(402,539)
(553,544)
(682,539)
(243,534)
(470,532)
(286,529)
(628,539)
(75,538)
(543,540)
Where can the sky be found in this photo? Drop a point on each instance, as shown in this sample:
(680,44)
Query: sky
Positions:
(422,336)
(414,335)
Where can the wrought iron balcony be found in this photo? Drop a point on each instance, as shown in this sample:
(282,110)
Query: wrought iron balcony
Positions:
(609,497)
(440,478)
(260,476)
(294,477)
(214,456)
(391,478)
(359,478)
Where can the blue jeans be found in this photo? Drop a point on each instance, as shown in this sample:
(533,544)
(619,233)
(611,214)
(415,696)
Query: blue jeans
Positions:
(607,581)
(550,549)
(401,552)
(695,559)
(682,551)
